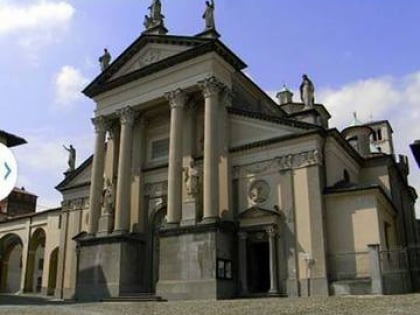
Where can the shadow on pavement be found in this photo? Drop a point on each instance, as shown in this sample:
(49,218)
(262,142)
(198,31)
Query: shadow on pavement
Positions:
(9,299)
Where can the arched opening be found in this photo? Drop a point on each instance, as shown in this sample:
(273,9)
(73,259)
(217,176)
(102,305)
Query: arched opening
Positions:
(35,262)
(11,263)
(52,277)
(157,222)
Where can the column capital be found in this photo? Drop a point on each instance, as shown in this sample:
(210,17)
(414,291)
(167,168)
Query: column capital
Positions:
(100,124)
(127,115)
(271,231)
(176,98)
(211,86)
(242,235)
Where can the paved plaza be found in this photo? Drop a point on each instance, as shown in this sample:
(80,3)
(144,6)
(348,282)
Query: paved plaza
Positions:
(372,305)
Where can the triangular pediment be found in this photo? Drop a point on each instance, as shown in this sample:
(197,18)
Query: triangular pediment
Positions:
(80,176)
(150,54)
(245,130)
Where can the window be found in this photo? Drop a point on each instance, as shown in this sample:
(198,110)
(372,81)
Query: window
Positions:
(41,264)
(379,134)
(224,269)
(160,149)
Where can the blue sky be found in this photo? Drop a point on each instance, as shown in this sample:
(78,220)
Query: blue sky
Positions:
(362,56)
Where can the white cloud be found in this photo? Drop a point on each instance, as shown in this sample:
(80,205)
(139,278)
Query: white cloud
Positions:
(32,25)
(395,99)
(40,16)
(68,85)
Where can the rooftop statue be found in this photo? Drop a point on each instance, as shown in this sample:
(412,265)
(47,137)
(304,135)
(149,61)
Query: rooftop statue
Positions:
(72,158)
(105,59)
(208,16)
(155,17)
(307,92)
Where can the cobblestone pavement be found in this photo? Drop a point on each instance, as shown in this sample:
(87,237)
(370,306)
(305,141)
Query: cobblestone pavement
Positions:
(366,305)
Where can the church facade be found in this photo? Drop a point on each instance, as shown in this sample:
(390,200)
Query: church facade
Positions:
(203,187)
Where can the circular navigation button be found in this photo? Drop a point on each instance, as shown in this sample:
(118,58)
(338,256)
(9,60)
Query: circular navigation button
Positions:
(8,171)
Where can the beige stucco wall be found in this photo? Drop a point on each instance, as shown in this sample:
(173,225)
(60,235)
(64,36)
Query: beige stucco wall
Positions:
(337,160)
(377,175)
(352,222)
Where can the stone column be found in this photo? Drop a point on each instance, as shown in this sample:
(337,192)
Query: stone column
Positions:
(122,206)
(211,90)
(242,262)
(177,100)
(274,288)
(97,178)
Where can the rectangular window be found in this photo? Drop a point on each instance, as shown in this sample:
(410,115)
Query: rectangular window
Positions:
(224,269)
(379,132)
(160,149)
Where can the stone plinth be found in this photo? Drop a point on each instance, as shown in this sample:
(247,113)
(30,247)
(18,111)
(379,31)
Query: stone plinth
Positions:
(188,262)
(109,266)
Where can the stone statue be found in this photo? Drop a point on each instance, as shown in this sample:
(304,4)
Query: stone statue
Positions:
(108,197)
(208,16)
(191,179)
(307,92)
(72,158)
(156,17)
(148,22)
(105,59)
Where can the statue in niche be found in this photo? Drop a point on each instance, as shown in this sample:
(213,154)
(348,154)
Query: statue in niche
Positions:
(108,197)
(191,179)
(208,16)
(72,158)
(105,59)
(307,92)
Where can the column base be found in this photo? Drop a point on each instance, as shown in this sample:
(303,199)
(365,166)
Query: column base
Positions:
(193,275)
(168,226)
(119,232)
(211,220)
(106,223)
(109,267)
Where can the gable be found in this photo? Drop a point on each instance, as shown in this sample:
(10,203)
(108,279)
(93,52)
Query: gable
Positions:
(151,53)
(80,176)
(245,130)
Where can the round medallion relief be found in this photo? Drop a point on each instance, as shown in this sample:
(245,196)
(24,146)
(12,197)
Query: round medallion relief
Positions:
(259,191)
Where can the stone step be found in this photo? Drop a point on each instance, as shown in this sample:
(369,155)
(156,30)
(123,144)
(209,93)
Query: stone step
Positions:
(135,297)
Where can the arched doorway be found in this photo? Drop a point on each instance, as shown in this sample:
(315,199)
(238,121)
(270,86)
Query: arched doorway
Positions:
(11,263)
(52,276)
(157,221)
(35,262)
